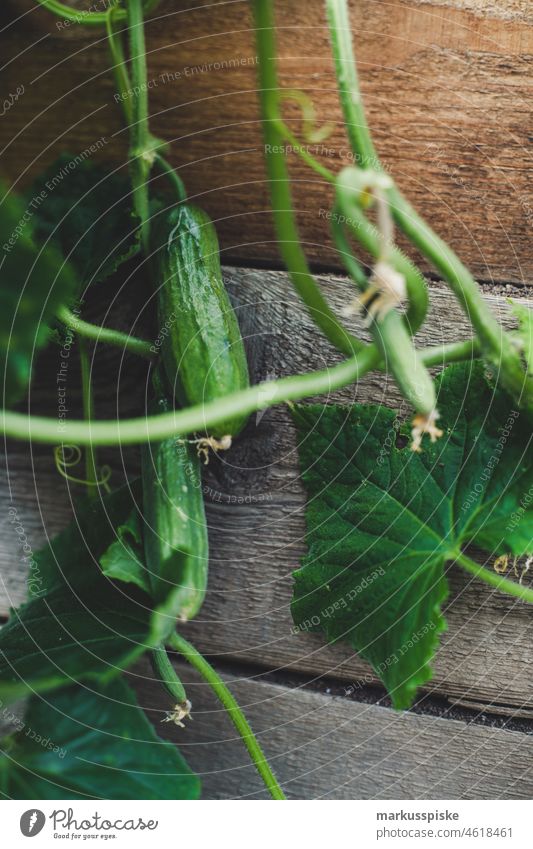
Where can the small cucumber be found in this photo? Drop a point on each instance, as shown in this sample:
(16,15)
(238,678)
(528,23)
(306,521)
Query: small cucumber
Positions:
(202,348)
(175,531)
(402,359)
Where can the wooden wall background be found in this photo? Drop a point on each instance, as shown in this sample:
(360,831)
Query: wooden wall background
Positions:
(448,88)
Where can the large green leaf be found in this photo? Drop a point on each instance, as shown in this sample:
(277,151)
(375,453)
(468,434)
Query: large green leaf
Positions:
(383,521)
(34,282)
(79,625)
(87,210)
(92,743)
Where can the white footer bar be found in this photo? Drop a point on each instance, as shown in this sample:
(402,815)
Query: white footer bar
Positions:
(261,825)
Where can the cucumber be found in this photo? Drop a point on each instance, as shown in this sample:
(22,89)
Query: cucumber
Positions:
(201,345)
(175,531)
(402,359)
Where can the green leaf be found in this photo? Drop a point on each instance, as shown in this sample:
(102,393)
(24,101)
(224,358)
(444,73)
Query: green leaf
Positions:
(525,332)
(81,743)
(124,559)
(34,283)
(74,553)
(87,210)
(78,625)
(382,521)
(70,636)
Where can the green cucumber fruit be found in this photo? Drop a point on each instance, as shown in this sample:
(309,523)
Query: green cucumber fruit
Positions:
(175,531)
(201,344)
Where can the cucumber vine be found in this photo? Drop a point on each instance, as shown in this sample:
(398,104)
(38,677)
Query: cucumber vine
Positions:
(152,561)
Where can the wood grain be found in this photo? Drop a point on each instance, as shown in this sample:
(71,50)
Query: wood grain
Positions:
(446,84)
(255,504)
(328,747)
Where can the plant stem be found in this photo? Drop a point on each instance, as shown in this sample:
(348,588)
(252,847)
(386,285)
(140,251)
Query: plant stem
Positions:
(91,474)
(367,235)
(282,209)
(494,340)
(105,334)
(167,675)
(141,154)
(191,419)
(150,5)
(286,133)
(234,712)
(495,580)
(348,83)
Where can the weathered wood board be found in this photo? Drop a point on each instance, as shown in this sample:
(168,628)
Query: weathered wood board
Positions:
(329,747)
(255,507)
(447,87)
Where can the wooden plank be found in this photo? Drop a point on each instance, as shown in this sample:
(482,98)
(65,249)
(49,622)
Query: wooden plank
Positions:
(255,505)
(330,747)
(446,83)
